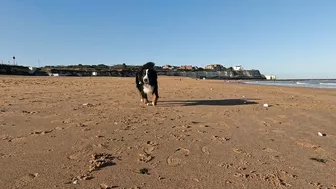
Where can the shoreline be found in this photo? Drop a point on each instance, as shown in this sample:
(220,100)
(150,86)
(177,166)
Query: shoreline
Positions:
(328,84)
(233,81)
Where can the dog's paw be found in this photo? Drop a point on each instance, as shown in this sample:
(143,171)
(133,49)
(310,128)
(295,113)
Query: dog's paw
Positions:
(148,104)
(153,104)
(141,100)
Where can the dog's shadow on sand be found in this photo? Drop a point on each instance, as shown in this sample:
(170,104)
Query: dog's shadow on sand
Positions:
(216,102)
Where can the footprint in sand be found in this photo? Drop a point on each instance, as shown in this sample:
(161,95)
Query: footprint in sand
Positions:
(269,150)
(278,131)
(81,150)
(178,158)
(152,143)
(277,158)
(240,151)
(280,183)
(147,156)
(226,165)
(205,149)
(23,181)
(2,155)
(149,150)
(285,173)
(17,139)
(307,145)
(220,139)
(273,154)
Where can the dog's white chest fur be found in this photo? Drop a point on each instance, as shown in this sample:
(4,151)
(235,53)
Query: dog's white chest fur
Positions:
(148,89)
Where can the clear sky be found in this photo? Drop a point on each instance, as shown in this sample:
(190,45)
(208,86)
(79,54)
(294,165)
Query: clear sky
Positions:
(288,38)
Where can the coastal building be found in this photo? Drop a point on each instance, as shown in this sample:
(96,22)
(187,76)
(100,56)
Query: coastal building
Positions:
(216,67)
(32,70)
(238,68)
(167,67)
(270,77)
(186,67)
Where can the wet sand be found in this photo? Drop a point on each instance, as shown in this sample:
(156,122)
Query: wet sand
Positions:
(66,132)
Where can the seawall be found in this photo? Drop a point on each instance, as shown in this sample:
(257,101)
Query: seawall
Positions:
(244,74)
(23,70)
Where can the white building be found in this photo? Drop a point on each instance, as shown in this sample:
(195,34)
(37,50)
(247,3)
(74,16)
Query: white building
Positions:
(238,68)
(216,67)
(32,70)
(94,73)
(270,77)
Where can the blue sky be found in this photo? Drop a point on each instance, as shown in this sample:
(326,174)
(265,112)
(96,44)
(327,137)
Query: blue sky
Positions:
(288,38)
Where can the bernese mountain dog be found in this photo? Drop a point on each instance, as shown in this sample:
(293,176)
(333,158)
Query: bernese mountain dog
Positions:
(147,84)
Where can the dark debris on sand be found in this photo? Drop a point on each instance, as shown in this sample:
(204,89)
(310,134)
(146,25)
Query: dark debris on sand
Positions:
(100,160)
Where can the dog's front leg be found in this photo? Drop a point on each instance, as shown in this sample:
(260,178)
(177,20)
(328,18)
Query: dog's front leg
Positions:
(155,97)
(144,98)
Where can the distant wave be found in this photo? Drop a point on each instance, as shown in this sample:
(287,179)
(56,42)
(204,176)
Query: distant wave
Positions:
(331,84)
(328,84)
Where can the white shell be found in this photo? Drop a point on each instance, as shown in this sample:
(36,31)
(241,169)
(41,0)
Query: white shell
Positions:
(320,134)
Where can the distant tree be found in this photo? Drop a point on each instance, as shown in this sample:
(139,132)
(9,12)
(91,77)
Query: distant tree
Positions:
(120,66)
(102,66)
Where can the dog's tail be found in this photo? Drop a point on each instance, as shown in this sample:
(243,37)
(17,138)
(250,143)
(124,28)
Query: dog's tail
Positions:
(148,65)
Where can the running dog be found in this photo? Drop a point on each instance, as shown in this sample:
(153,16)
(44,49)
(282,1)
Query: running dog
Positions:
(146,83)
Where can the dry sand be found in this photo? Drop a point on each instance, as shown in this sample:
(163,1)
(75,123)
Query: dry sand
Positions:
(202,134)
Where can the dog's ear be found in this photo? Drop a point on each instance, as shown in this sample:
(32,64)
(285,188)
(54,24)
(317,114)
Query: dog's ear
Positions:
(148,65)
(138,77)
(139,73)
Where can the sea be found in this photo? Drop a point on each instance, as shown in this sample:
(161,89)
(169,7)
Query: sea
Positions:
(310,83)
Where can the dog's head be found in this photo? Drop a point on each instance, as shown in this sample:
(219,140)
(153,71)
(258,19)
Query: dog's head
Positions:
(147,73)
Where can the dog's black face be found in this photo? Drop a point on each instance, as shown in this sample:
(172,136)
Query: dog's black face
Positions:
(148,76)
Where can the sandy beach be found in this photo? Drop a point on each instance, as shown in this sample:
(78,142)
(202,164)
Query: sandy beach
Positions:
(93,132)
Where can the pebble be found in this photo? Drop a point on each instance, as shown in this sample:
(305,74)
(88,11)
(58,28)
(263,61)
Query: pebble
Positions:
(104,186)
(321,134)
(195,179)
(59,128)
(88,104)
